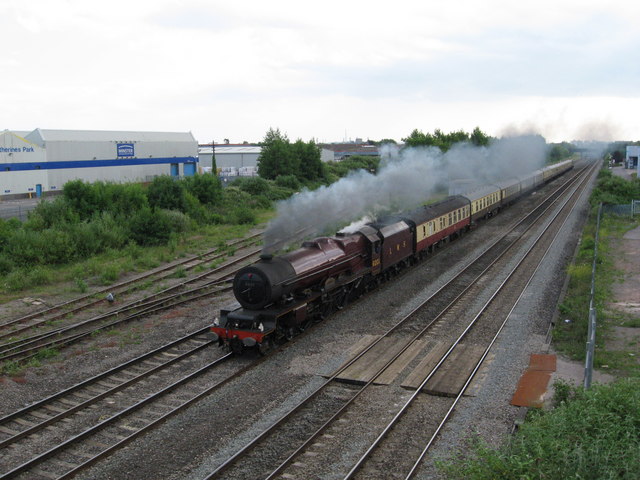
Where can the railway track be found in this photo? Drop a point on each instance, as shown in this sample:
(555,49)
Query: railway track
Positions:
(66,432)
(312,436)
(43,318)
(484,329)
(201,285)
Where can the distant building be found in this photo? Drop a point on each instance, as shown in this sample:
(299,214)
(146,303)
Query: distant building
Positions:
(228,155)
(241,159)
(631,160)
(346,150)
(44,160)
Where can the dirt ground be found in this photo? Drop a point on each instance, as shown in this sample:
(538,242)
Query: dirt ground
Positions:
(626,295)
(626,299)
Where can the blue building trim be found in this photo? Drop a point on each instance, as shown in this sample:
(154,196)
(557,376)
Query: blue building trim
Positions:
(117,162)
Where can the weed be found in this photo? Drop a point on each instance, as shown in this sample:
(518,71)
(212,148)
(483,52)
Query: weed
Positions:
(110,274)
(81,285)
(10,368)
(587,436)
(180,272)
(46,353)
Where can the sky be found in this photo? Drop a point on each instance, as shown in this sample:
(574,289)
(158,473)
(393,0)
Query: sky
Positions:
(329,71)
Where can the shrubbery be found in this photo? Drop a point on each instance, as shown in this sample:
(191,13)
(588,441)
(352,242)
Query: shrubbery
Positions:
(614,190)
(93,218)
(89,219)
(590,434)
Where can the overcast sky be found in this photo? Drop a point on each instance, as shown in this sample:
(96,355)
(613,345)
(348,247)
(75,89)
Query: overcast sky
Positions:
(330,70)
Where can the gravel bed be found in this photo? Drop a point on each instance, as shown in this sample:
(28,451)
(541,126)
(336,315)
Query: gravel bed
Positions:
(192,444)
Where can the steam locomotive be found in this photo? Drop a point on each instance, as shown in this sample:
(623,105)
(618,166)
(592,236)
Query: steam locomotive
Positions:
(280,296)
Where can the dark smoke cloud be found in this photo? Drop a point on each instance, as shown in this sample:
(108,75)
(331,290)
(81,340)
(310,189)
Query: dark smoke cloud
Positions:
(407,178)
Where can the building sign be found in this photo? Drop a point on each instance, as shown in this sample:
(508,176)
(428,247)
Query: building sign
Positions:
(125,150)
(16,149)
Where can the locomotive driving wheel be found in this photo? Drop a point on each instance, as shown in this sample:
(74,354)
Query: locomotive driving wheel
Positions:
(265,346)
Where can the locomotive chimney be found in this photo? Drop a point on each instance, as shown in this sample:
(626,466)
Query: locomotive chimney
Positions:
(266,257)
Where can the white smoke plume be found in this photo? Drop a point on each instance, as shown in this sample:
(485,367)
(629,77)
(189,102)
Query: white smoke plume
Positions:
(407,178)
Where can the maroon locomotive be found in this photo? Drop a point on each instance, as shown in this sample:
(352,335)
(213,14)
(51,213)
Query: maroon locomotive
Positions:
(281,296)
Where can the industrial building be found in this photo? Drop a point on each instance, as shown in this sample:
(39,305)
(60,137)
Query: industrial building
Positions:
(227,155)
(44,160)
(631,159)
(233,160)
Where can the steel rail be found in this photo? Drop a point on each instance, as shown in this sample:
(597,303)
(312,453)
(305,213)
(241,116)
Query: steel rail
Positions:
(120,310)
(110,288)
(233,459)
(101,425)
(110,391)
(494,295)
(100,376)
(26,353)
(409,343)
(31,345)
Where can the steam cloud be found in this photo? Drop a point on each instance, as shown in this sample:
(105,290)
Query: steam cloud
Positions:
(406,179)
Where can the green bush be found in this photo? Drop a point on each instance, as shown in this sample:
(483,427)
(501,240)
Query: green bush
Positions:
(280,193)
(591,434)
(243,216)
(167,193)
(233,196)
(29,248)
(196,210)
(81,198)
(206,188)
(614,190)
(252,185)
(178,221)
(150,227)
(7,229)
(120,199)
(6,264)
(51,214)
(288,181)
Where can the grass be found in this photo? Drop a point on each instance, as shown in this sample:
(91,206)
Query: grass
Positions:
(109,267)
(569,337)
(588,436)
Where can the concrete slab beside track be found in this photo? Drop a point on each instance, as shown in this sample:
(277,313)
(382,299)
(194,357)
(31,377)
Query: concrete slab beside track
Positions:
(413,366)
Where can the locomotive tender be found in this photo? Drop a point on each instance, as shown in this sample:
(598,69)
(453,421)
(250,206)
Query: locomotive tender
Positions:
(279,297)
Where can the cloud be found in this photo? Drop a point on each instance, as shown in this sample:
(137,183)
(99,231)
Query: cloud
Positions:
(372,68)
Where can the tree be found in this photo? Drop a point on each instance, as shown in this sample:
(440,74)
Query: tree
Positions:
(308,160)
(444,141)
(479,138)
(559,151)
(276,157)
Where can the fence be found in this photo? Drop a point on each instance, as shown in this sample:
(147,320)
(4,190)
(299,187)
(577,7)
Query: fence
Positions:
(18,211)
(591,335)
(624,210)
(627,210)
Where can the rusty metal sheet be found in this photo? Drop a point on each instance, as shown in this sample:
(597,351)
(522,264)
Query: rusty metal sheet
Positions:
(533,384)
(546,363)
